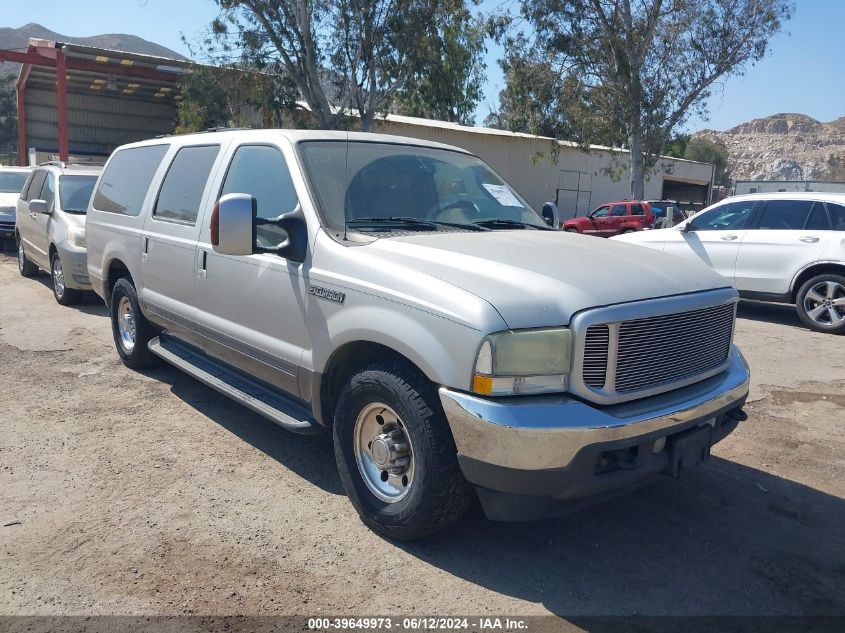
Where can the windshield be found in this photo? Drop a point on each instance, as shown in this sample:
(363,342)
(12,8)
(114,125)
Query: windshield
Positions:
(75,192)
(12,181)
(376,187)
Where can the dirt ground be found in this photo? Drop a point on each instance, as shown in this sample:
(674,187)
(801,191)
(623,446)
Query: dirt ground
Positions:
(148,493)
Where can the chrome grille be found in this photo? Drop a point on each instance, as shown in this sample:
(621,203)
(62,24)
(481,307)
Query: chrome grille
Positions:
(595,355)
(642,354)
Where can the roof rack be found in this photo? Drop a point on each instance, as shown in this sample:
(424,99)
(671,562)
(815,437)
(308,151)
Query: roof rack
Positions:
(58,163)
(223,128)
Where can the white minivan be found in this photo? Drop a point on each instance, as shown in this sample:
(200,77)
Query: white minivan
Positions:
(783,247)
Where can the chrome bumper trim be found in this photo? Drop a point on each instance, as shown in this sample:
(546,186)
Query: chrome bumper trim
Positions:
(534,433)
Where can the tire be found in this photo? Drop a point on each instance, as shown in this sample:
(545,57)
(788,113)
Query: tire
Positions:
(431,492)
(571,230)
(64,296)
(629,231)
(130,329)
(820,304)
(25,267)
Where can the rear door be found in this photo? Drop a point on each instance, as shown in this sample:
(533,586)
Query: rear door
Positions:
(616,221)
(714,237)
(834,250)
(785,236)
(170,233)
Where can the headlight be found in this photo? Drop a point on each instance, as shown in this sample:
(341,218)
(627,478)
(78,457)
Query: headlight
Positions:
(76,236)
(523,362)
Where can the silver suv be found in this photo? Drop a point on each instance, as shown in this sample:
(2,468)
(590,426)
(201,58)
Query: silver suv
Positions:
(402,295)
(50,226)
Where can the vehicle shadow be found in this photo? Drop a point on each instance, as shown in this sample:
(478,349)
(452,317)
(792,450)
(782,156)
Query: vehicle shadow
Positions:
(780,313)
(309,456)
(88,302)
(724,539)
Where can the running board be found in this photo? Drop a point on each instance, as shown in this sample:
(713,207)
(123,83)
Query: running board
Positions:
(283,410)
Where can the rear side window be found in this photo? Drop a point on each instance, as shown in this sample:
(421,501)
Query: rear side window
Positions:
(817,220)
(617,210)
(261,171)
(837,216)
(35,185)
(785,215)
(125,182)
(181,192)
(637,209)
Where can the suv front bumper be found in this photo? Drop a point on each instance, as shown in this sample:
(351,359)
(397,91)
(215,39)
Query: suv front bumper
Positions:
(532,457)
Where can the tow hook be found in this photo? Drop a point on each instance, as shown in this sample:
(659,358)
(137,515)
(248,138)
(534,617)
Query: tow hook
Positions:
(738,414)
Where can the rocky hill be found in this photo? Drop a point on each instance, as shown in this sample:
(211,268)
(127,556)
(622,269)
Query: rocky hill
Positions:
(19,38)
(784,147)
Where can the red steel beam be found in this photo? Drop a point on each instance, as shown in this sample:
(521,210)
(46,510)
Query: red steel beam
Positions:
(75,63)
(22,157)
(61,103)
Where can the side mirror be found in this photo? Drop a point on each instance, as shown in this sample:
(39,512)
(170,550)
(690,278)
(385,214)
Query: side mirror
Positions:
(688,228)
(38,206)
(233,229)
(551,214)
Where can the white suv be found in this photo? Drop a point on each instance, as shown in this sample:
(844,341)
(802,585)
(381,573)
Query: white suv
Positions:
(783,247)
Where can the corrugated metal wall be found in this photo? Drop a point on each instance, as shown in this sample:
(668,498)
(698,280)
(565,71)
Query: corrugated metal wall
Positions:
(97,122)
(538,179)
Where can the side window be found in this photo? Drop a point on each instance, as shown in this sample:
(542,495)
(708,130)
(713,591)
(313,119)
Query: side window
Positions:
(726,217)
(837,216)
(261,171)
(48,191)
(181,191)
(817,220)
(35,185)
(785,215)
(601,212)
(124,184)
(617,210)
(637,209)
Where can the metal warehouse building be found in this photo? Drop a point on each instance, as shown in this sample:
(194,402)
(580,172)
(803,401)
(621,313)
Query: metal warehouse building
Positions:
(85,101)
(79,102)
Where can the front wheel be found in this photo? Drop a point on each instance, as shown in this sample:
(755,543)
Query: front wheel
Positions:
(571,230)
(821,304)
(64,296)
(25,267)
(629,231)
(395,453)
(130,328)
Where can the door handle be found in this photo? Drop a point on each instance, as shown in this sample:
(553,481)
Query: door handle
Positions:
(146,248)
(202,272)
(809,239)
(728,238)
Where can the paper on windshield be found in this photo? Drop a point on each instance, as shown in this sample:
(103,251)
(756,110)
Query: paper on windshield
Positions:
(503,195)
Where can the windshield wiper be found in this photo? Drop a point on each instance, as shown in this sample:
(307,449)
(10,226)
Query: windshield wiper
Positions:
(410,222)
(501,222)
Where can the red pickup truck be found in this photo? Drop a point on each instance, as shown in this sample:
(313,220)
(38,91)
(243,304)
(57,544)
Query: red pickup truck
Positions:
(613,218)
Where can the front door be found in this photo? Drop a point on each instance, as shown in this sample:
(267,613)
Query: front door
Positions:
(250,308)
(785,237)
(170,234)
(25,219)
(713,237)
(597,221)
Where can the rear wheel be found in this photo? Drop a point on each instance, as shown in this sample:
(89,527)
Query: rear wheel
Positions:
(629,231)
(395,453)
(571,230)
(130,328)
(64,295)
(25,267)
(821,303)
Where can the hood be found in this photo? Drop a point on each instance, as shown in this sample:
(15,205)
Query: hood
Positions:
(542,278)
(9,199)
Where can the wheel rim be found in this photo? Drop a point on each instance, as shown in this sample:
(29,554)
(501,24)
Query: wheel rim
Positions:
(383,452)
(824,303)
(21,257)
(58,277)
(126,325)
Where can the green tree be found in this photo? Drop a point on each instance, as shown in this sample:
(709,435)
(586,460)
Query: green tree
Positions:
(628,70)
(356,55)
(8,116)
(707,151)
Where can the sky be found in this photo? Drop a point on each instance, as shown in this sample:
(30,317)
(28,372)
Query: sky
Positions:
(803,71)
